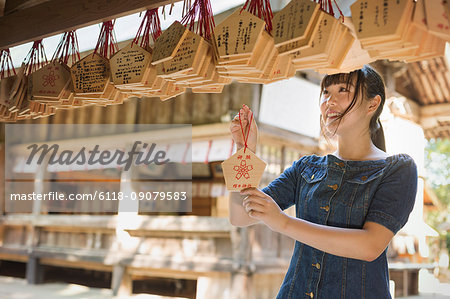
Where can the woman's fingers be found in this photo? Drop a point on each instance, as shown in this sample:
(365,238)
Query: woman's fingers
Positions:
(255,200)
(253,206)
(253,191)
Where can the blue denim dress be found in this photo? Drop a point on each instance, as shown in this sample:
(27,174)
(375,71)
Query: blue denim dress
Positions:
(330,191)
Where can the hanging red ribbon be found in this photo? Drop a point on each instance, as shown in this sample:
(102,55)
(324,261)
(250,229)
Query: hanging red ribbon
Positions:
(67,48)
(261,9)
(106,44)
(6,64)
(36,58)
(327,6)
(150,26)
(242,129)
(201,10)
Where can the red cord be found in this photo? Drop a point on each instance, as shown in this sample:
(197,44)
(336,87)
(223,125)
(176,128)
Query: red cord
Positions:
(6,64)
(201,10)
(106,44)
(36,58)
(261,9)
(67,48)
(327,6)
(150,25)
(242,129)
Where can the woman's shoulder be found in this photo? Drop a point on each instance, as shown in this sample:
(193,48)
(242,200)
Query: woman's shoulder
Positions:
(387,163)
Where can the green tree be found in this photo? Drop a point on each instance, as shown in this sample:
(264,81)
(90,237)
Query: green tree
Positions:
(437,165)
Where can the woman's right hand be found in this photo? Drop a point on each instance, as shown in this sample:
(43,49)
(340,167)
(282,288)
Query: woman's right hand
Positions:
(236,131)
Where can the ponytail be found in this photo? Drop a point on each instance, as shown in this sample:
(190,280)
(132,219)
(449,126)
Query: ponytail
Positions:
(377,136)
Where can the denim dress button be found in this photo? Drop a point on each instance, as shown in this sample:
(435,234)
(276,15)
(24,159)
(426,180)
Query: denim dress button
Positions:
(334,187)
(326,208)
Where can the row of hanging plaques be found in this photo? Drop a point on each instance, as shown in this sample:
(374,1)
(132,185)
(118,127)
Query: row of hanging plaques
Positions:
(303,36)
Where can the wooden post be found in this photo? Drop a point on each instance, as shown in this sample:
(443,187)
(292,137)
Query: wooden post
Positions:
(2,179)
(34,272)
(121,282)
(243,269)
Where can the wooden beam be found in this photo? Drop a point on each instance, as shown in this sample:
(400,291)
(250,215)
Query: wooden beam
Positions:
(57,16)
(2,7)
(431,114)
(15,5)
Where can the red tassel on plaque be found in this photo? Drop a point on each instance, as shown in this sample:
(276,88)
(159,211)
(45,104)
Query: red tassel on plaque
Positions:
(51,83)
(243,169)
(91,75)
(130,66)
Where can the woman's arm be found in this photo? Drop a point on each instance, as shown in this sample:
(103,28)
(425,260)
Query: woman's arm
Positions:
(238,214)
(363,244)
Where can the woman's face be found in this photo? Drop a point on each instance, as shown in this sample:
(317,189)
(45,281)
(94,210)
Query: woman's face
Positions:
(335,100)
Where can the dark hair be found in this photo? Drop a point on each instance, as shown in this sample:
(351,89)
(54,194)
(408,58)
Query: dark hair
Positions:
(369,84)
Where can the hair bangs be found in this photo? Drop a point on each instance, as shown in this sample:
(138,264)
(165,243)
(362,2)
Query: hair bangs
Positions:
(340,78)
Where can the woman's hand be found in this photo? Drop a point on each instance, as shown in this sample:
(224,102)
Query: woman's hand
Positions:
(262,207)
(236,131)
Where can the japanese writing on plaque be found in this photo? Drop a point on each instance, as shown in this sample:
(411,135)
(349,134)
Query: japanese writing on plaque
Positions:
(90,74)
(292,21)
(363,6)
(186,54)
(128,65)
(167,44)
(238,34)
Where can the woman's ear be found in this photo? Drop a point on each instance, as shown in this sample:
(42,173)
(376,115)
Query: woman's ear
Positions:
(374,103)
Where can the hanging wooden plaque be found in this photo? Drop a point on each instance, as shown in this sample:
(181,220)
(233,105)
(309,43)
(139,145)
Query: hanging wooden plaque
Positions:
(237,35)
(243,170)
(377,18)
(129,64)
(189,56)
(437,18)
(49,82)
(90,74)
(168,42)
(6,85)
(294,25)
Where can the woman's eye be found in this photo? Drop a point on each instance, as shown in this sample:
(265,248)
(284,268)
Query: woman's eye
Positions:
(325,91)
(343,89)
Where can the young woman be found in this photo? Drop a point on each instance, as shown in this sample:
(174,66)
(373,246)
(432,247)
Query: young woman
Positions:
(348,204)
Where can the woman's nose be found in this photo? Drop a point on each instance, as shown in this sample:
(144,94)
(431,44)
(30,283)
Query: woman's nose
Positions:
(331,100)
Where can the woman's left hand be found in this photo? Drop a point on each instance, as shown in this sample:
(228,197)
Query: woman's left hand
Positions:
(261,206)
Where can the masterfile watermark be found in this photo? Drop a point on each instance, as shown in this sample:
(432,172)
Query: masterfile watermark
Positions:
(98,168)
(141,153)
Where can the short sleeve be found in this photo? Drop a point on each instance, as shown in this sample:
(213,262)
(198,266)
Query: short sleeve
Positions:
(283,188)
(395,196)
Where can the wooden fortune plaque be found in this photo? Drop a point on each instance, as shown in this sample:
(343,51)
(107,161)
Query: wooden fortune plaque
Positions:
(128,65)
(377,18)
(50,81)
(90,74)
(243,170)
(438,19)
(168,42)
(238,34)
(293,22)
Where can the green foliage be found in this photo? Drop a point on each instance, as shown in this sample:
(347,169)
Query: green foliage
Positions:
(437,164)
